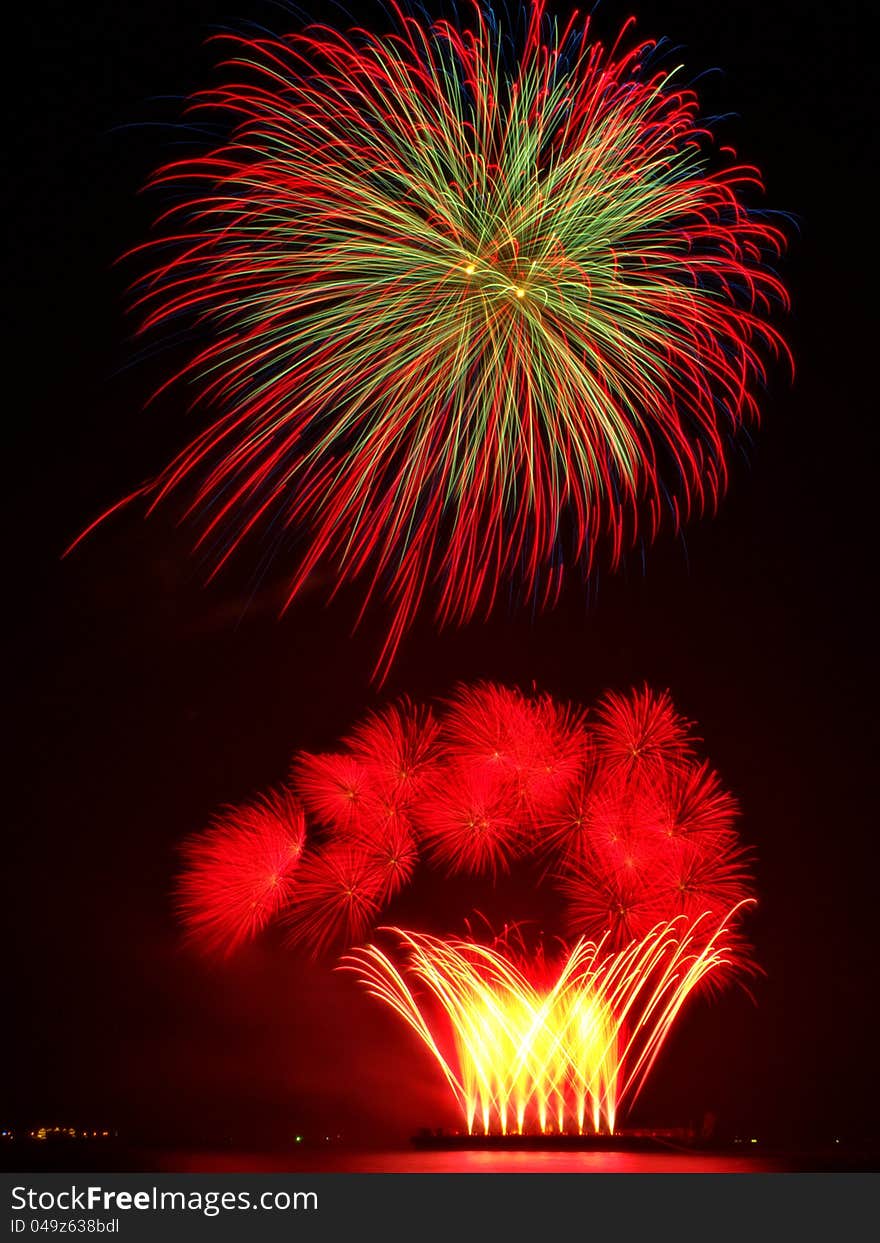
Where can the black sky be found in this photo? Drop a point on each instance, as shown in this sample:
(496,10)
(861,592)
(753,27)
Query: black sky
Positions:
(141,700)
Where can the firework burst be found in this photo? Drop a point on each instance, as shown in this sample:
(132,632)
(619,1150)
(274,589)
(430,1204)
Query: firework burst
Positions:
(338,896)
(470,822)
(335,789)
(394,855)
(398,748)
(240,872)
(641,735)
(539,745)
(474,301)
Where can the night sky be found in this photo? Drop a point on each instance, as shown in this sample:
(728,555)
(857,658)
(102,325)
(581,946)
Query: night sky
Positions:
(141,700)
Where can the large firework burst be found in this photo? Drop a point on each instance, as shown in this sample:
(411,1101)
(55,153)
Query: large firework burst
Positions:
(474,303)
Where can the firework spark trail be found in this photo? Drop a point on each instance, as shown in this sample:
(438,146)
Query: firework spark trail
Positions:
(467,313)
(522,1056)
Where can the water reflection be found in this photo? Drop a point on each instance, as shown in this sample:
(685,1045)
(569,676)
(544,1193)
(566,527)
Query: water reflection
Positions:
(406,1161)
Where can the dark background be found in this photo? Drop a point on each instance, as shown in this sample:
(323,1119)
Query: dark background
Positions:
(140,700)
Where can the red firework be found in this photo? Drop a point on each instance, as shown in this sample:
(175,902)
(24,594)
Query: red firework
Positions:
(398,748)
(486,725)
(470,821)
(634,829)
(617,904)
(394,855)
(693,879)
(333,788)
(564,834)
(691,804)
(541,746)
(339,893)
(553,754)
(240,872)
(621,827)
(471,300)
(641,735)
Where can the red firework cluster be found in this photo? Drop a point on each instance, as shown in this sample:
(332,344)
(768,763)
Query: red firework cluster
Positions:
(615,806)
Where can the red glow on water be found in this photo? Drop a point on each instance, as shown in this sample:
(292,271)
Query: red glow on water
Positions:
(407,1161)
